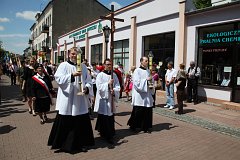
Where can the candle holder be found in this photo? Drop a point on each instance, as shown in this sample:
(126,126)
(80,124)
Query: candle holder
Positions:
(150,60)
(79,69)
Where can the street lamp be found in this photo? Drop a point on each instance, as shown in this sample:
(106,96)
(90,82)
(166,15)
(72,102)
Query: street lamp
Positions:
(106,32)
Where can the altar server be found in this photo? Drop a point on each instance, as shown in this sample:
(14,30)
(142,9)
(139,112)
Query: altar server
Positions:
(142,100)
(72,130)
(106,88)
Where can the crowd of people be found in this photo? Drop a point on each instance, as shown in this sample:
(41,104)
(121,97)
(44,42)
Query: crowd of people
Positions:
(97,88)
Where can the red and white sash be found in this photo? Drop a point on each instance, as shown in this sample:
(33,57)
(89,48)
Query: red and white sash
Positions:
(38,79)
(41,82)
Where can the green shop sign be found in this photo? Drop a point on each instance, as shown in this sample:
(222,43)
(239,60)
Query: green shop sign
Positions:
(221,37)
(81,33)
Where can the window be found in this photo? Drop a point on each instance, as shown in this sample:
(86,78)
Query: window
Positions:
(96,53)
(121,54)
(162,47)
(50,17)
(216,52)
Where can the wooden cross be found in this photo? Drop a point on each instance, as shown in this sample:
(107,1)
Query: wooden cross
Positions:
(112,19)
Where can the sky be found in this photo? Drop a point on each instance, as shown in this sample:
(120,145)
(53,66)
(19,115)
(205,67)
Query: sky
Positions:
(17,16)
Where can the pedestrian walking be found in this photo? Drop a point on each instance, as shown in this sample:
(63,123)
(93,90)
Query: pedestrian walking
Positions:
(169,80)
(41,93)
(155,79)
(193,75)
(47,69)
(21,71)
(13,73)
(28,74)
(127,87)
(94,73)
(142,100)
(180,85)
(72,129)
(105,105)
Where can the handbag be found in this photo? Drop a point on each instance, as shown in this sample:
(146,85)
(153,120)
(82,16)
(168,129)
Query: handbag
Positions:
(157,84)
(130,85)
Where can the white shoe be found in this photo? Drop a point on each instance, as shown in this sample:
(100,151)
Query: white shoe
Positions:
(171,107)
(166,106)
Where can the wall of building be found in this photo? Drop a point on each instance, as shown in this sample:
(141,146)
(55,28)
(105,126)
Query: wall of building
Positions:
(152,17)
(69,15)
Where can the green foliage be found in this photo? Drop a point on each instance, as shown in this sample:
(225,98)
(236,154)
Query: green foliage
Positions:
(199,4)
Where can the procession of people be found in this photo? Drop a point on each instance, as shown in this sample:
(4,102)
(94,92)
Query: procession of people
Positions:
(100,87)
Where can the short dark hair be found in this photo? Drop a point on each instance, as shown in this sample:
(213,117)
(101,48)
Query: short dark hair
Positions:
(170,63)
(93,64)
(109,60)
(141,59)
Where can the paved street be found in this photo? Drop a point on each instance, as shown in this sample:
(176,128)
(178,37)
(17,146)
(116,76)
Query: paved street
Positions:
(205,132)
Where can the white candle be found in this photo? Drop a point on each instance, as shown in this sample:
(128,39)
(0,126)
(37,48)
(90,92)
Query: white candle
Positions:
(79,59)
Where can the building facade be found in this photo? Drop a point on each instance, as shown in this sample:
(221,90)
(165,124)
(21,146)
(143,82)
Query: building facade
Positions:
(173,31)
(59,17)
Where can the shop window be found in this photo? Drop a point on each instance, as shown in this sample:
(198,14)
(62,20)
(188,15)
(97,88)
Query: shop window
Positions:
(162,47)
(121,54)
(96,53)
(216,54)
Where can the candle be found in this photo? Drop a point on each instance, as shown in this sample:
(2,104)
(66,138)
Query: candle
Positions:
(150,62)
(79,59)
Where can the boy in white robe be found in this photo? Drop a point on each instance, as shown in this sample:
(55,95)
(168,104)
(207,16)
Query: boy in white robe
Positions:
(72,129)
(103,103)
(142,100)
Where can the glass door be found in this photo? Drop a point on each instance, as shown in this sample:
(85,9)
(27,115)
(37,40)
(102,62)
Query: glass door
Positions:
(236,85)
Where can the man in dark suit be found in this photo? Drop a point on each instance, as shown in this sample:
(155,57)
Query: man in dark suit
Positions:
(47,69)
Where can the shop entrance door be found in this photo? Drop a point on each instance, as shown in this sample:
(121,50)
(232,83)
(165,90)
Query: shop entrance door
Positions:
(236,85)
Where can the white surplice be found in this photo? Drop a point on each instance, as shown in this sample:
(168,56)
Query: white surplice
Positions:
(141,93)
(68,102)
(103,95)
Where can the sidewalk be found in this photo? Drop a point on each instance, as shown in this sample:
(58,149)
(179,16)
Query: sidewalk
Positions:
(206,111)
(22,136)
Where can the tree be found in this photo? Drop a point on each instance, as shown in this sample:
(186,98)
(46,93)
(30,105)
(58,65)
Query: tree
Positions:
(1,44)
(199,4)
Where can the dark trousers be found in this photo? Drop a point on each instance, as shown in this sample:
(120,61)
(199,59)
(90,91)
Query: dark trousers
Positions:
(13,78)
(192,90)
(180,99)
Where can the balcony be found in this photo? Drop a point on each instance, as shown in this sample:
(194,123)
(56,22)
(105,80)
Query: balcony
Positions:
(30,41)
(46,49)
(45,29)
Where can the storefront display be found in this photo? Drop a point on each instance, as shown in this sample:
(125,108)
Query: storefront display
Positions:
(219,56)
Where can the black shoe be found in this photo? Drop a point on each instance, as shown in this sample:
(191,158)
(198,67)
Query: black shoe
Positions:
(110,141)
(148,131)
(83,149)
(178,112)
(132,129)
(45,118)
(58,151)
(42,121)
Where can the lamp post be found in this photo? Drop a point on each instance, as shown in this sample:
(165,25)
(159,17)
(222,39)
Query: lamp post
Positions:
(106,32)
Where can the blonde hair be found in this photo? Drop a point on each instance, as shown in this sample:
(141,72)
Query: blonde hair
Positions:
(73,49)
(181,66)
